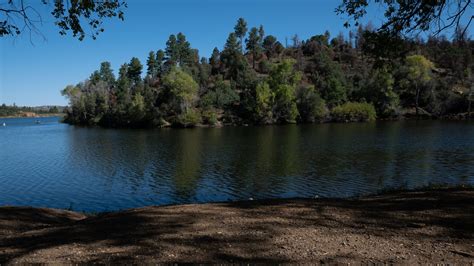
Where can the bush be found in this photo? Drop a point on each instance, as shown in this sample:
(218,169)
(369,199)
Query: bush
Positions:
(311,107)
(210,117)
(353,112)
(189,118)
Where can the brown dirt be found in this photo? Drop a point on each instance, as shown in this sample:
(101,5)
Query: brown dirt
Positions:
(399,227)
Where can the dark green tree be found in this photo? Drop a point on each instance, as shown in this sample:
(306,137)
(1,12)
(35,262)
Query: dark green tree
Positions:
(240,31)
(134,70)
(106,73)
(152,65)
(68,15)
(253,45)
(172,50)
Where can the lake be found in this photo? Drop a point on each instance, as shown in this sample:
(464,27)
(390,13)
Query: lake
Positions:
(51,164)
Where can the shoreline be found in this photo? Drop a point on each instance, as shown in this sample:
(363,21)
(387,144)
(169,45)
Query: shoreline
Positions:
(224,125)
(418,226)
(36,116)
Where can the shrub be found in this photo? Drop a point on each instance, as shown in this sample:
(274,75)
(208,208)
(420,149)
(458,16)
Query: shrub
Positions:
(210,117)
(311,106)
(353,112)
(190,118)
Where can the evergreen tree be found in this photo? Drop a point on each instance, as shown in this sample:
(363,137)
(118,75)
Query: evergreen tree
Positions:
(240,31)
(151,64)
(185,53)
(134,70)
(106,74)
(172,50)
(160,58)
(253,45)
(215,62)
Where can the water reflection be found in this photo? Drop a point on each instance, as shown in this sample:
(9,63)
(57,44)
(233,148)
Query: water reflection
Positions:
(99,169)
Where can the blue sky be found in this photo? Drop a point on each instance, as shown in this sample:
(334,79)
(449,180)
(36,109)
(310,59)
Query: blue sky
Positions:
(33,74)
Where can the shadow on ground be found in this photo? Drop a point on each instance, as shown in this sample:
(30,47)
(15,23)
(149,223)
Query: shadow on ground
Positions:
(328,230)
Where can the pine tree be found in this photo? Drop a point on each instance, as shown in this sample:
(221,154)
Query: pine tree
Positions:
(151,65)
(240,30)
(253,45)
(172,50)
(160,58)
(215,62)
(184,50)
(135,68)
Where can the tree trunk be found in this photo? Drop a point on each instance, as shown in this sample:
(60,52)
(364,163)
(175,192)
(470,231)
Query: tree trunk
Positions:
(253,60)
(470,101)
(416,99)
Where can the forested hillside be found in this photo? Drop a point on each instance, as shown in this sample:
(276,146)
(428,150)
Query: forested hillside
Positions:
(13,110)
(257,79)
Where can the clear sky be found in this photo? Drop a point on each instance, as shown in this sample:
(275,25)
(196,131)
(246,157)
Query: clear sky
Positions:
(34,74)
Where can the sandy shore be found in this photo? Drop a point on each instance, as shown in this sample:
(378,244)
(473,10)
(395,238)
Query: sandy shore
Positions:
(400,227)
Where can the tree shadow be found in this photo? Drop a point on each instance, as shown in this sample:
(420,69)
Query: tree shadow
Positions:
(251,231)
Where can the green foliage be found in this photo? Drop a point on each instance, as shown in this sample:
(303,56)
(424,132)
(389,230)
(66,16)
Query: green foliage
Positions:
(353,112)
(409,16)
(419,68)
(189,118)
(134,70)
(151,64)
(14,110)
(417,73)
(182,90)
(311,107)
(210,117)
(220,95)
(283,80)
(254,45)
(380,92)
(328,76)
(240,30)
(68,16)
(264,103)
(272,84)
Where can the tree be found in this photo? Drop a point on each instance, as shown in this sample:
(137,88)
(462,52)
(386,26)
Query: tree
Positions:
(215,62)
(232,59)
(68,16)
(264,98)
(106,73)
(178,50)
(240,30)
(283,80)
(261,35)
(134,70)
(328,76)
(355,78)
(182,89)
(184,50)
(470,95)
(151,64)
(412,16)
(254,45)
(419,73)
(311,106)
(380,92)
(160,58)
(172,50)
(220,95)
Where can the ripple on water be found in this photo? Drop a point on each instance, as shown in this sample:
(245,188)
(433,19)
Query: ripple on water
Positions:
(92,169)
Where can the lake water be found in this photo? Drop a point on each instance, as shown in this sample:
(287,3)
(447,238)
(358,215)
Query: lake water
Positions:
(91,169)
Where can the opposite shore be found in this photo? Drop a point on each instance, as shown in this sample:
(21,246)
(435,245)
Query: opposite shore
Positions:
(32,115)
(421,226)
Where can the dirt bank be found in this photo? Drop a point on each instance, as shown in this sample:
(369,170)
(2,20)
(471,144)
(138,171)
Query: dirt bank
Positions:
(403,227)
